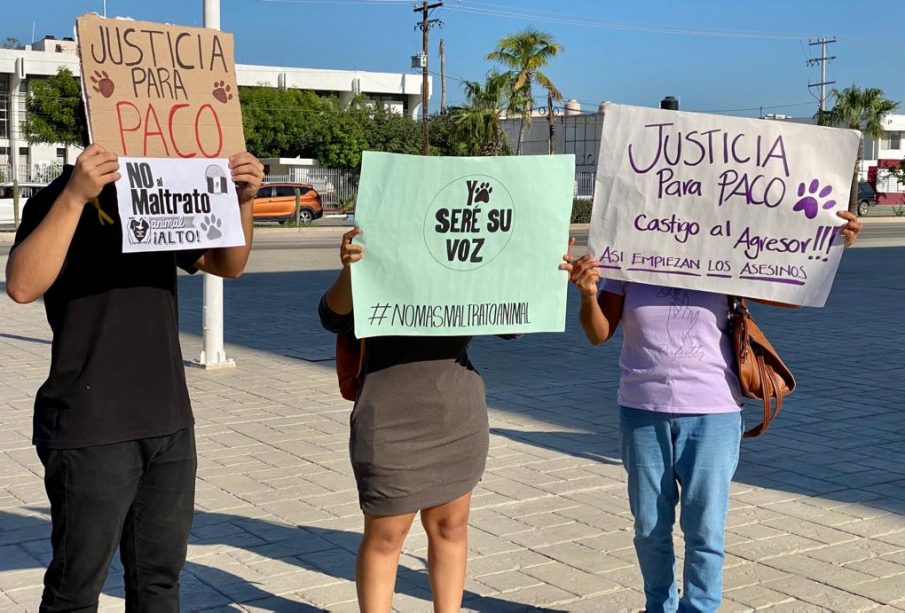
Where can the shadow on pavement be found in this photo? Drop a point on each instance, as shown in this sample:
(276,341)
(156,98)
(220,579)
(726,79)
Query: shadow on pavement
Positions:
(839,437)
(324,551)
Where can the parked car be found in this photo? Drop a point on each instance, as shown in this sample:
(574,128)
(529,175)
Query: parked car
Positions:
(867,197)
(26,191)
(276,201)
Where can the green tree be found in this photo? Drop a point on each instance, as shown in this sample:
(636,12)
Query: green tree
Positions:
(859,109)
(278,122)
(10,43)
(444,136)
(525,53)
(478,126)
(52,110)
(390,131)
(340,136)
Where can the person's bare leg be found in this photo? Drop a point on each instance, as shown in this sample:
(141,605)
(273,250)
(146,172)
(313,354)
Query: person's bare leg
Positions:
(447,553)
(378,560)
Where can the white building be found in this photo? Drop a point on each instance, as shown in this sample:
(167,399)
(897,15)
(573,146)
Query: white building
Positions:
(399,91)
(884,152)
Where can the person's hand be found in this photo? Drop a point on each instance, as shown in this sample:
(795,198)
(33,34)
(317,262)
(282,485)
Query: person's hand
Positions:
(94,168)
(567,259)
(583,273)
(852,229)
(350,253)
(247,174)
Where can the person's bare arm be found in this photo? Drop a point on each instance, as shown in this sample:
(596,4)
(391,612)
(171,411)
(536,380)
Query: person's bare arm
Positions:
(339,296)
(247,173)
(36,263)
(599,313)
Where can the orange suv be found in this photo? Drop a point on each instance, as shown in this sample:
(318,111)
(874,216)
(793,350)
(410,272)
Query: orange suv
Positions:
(277,201)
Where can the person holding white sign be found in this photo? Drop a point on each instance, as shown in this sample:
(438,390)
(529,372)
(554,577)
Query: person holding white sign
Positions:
(113,424)
(679,420)
(419,441)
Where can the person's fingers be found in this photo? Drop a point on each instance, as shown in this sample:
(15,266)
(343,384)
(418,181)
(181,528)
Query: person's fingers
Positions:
(105,169)
(246,168)
(90,151)
(348,236)
(244,157)
(247,179)
(846,215)
(569,249)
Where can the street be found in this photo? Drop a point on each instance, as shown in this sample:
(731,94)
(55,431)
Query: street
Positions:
(817,520)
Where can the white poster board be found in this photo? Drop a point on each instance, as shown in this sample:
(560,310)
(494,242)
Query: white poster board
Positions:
(721,204)
(174,204)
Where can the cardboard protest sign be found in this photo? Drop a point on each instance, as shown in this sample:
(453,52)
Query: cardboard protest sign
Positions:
(171,205)
(155,90)
(461,246)
(721,204)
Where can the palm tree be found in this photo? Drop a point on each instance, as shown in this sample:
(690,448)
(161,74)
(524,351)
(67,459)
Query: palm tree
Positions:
(525,54)
(859,109)
(478,123)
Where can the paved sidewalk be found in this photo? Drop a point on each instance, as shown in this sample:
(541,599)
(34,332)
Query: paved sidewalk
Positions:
(818,508)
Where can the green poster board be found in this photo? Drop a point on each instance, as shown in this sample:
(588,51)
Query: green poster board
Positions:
(462,246)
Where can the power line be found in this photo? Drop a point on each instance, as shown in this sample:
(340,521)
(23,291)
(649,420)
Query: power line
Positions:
(585,21)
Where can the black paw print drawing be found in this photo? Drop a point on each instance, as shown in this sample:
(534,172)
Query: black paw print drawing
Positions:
(809,203)
(212,225)
(221,91)
(483,193)
(102,83)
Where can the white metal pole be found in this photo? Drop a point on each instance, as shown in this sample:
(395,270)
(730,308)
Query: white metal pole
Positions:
(213,355)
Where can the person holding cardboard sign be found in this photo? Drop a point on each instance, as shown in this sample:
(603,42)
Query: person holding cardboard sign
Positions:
(113,424)
(679,420)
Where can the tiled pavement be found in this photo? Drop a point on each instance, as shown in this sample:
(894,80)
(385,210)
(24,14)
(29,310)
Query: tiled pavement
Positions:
(818,507)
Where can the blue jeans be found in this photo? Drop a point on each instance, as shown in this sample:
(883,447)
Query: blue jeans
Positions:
(670,458)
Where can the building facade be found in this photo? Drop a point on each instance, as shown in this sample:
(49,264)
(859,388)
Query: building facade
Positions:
(579,133)
(401,92)
(882,153)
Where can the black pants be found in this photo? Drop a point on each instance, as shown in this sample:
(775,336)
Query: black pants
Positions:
(138,495)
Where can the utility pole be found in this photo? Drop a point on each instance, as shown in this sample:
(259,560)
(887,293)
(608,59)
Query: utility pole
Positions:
(425,25)
(442,77)
(822,60)
(213,354)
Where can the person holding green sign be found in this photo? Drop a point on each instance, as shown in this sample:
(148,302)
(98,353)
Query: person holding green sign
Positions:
(419,442)
(679,422)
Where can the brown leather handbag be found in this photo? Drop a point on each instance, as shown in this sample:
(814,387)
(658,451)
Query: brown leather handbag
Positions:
(350,359)
(761,371)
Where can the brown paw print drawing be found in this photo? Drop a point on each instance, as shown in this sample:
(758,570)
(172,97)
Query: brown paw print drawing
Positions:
(102,83)
(221,91)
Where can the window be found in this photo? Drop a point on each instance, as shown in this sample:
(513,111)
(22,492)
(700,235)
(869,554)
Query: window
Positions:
(264,192)
(284,190)
(4,107)
(895,140)
(23,151)
(61,153)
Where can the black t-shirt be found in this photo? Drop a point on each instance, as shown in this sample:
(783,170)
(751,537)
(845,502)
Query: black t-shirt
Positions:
(116,371)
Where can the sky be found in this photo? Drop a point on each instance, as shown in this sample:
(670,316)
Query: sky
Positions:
(732,56)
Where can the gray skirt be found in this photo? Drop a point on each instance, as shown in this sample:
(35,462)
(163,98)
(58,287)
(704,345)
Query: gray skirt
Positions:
(419,436)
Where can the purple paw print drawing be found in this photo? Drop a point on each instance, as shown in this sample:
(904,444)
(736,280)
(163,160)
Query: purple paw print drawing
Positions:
(809,203)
